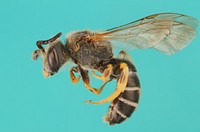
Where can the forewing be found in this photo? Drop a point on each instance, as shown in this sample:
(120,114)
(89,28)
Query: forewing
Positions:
(165,32)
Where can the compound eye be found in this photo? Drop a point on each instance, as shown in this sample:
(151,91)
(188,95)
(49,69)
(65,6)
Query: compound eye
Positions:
(53,60)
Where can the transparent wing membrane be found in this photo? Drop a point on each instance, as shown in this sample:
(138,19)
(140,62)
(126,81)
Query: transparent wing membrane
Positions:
(165,32)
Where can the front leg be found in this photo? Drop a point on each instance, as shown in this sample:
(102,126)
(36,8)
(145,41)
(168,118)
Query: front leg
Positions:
(72,76)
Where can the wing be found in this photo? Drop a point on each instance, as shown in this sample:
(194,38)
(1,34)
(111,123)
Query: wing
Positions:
(165,32)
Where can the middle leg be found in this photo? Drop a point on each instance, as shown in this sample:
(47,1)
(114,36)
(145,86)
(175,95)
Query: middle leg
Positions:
(86,81)
(106,73)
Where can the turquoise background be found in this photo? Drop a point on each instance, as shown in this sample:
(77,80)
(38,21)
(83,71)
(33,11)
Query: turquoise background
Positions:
(30,103)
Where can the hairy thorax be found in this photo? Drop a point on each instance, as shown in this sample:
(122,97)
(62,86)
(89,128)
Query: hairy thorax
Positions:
(86,53)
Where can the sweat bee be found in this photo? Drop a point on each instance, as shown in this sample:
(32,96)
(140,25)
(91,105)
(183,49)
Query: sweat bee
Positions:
(91,51)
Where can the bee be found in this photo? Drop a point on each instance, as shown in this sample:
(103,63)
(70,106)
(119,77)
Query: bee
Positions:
(92,51)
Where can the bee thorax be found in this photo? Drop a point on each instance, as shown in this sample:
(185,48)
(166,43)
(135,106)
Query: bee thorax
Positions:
(88,53)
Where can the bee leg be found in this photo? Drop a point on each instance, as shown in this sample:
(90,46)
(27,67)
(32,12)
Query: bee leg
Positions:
(123,55)
(73,77)
(121,85)
(94,90)
(86,81)
(106,73)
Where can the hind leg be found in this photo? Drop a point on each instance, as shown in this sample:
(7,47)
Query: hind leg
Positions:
(121,85)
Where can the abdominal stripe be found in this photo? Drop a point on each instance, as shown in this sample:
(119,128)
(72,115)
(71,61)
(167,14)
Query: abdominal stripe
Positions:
(132,88)
(128,102)
(120,113)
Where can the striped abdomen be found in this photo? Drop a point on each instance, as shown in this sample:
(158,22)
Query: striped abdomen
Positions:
(125,104)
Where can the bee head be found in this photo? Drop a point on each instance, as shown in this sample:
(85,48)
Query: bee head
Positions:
(54,55)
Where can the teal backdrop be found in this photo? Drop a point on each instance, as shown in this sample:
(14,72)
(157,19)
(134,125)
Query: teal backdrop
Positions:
(30,103)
